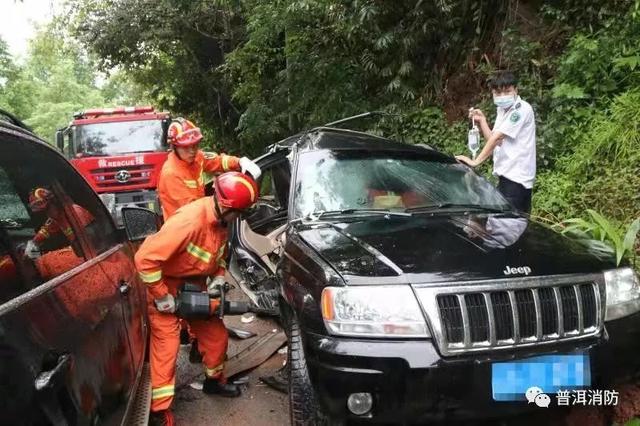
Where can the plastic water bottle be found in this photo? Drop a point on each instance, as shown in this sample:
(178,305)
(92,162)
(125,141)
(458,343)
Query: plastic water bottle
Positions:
(473,140)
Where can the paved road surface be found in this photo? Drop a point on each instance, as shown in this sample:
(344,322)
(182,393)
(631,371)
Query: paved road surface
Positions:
(259,404)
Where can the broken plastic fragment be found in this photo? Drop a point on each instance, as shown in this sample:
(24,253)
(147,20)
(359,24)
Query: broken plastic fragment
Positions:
(248,317)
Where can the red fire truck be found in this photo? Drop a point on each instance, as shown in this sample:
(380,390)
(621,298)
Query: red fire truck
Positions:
(120,152)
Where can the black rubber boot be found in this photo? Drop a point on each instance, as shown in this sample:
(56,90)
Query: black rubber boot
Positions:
(195,357)
(214,387)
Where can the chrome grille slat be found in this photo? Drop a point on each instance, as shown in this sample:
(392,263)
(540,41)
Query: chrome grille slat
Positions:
(576,290)
(556,292)
(465,320)
(505,314)
(538,310)
(492,321)
(516,319)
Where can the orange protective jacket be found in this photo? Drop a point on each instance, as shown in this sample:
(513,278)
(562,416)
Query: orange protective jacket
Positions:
(53,226)
(190,244)
(181,183)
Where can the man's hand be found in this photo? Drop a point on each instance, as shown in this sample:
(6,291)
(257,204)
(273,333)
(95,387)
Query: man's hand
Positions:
(247,165)
(477,115)
(466,160)
(166,304)
(216,286)
(32,251)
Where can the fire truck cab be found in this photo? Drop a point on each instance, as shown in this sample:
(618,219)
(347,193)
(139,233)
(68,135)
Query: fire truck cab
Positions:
(120,152)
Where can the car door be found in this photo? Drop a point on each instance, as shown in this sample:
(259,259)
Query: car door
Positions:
(256,242)
(65,356)
(117,265)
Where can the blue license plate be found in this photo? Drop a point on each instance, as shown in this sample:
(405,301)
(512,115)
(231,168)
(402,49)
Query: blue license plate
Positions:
(550,373)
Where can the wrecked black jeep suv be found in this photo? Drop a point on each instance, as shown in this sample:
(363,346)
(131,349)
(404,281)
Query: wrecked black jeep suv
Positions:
(411,291)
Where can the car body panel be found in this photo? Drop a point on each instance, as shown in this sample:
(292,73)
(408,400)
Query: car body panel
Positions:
(71,346)
(436,248)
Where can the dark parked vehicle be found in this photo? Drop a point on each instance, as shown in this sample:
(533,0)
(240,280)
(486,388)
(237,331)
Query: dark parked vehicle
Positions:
(73,331)
(406,281)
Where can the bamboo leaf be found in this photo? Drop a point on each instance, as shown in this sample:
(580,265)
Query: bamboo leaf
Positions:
(630,236)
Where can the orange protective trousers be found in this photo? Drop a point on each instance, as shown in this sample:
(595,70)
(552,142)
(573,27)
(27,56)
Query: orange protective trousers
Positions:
(165,342)
(190,246)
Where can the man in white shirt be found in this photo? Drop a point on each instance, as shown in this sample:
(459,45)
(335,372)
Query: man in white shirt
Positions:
(512,141)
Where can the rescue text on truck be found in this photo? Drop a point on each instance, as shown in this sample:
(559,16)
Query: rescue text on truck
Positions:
(120,152)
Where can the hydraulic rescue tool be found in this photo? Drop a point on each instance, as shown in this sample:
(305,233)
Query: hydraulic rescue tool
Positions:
(194,303)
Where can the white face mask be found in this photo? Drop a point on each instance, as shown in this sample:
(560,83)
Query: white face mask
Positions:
(504,101)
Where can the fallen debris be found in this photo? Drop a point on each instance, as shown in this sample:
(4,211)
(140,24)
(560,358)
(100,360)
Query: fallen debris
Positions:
(255,354)
(239,333)
(196,385)
(248,317)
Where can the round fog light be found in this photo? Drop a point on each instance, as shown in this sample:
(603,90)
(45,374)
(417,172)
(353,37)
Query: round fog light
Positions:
(360,403)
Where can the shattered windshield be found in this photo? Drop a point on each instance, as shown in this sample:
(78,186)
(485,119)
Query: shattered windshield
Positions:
(345,180)
(119,137)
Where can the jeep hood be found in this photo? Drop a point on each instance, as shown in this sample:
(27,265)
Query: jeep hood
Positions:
(441,248)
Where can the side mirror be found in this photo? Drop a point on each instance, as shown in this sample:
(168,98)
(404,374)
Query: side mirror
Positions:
(60,140)
(139,223)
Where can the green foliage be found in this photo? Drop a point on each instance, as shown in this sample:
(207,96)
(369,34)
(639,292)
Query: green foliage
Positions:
(55,80)
(621,238)
(603,169)
(633,422)
(426,126)
(172,49)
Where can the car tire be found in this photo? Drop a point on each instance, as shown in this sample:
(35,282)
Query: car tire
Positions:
(303,406)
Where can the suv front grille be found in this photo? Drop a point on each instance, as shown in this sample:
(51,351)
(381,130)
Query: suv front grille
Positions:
(496,316)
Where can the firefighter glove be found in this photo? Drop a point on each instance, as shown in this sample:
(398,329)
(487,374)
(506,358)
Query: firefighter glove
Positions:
(32,251)
(166,304)
(247,165)
(216,286)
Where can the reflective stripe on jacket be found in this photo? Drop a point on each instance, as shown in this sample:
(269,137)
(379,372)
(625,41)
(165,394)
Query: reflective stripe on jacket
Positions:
(191,243)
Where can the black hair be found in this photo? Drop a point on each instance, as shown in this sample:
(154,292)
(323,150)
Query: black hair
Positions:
(502,79)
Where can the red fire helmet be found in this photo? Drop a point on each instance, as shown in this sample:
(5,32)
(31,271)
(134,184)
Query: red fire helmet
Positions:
(235,190)
(39,199)
(183,133)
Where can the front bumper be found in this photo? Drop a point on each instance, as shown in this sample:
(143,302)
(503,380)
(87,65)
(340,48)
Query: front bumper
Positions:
(411,382)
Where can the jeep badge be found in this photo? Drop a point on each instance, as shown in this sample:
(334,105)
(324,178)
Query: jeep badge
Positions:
(519,270)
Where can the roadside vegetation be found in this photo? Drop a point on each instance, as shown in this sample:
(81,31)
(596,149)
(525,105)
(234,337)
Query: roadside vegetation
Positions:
(250,72)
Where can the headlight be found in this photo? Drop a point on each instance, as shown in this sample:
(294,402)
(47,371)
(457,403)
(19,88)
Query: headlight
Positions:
(623,293)
(373,311)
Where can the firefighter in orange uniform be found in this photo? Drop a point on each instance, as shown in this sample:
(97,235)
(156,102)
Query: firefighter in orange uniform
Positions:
(41,199)
(182,177)
(190,246)
(182,180)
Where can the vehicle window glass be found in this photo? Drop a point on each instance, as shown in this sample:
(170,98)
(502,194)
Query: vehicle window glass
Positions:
(90,213)
(38,241)
(46,219)
(363,180)
(119,137)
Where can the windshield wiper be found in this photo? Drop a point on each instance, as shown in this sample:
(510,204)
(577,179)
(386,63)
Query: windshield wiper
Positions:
(442,206)
(329,213)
